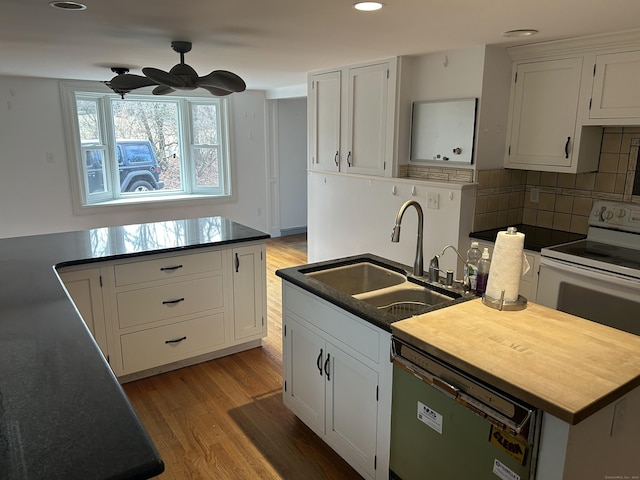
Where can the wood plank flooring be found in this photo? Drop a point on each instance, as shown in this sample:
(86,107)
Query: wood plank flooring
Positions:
(224,419)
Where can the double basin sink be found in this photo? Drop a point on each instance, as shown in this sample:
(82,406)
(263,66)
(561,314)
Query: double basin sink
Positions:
(385,288)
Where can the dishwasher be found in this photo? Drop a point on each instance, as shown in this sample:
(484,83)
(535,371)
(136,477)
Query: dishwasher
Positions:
(446,425)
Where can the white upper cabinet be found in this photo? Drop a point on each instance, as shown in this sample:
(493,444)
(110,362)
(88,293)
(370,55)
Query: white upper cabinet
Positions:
(352,119)
(325,96)
(615,87)
(367,122)
(544,133)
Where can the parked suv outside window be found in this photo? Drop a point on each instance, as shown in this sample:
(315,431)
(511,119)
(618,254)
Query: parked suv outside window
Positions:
(137,165)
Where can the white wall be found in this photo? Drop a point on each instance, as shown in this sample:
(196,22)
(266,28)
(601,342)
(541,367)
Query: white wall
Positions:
(356,214)
(34,180)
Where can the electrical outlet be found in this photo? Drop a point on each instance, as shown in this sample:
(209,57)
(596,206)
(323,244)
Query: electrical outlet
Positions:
(534,196)
(433,200)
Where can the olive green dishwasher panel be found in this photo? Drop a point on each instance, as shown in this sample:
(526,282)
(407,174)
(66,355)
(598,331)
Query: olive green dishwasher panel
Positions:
(461,451)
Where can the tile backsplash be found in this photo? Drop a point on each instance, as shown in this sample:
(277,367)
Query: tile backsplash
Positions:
(561,201)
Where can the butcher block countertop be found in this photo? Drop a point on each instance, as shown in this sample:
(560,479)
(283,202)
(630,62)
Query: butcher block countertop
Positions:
(564,365)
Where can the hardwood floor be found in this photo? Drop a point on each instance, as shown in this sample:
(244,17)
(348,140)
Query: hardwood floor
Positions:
(224,419)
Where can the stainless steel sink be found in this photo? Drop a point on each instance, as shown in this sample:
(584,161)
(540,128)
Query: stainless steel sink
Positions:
(406,300)
(358,277)
(384,288)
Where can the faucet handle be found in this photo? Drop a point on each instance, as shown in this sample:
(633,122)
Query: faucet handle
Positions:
(434,269)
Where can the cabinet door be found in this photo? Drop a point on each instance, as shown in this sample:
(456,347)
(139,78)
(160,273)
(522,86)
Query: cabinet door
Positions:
(352,408)
(324,121)
(615,91)
(248,295)
(303,357)
(85,289)
(544,110)
(367,121)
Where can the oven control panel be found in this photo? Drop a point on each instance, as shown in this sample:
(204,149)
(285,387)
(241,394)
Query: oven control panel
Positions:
(615,216)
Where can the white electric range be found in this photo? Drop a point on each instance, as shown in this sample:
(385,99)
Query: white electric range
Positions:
(597,278)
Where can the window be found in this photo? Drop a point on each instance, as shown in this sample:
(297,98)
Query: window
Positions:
(145,148)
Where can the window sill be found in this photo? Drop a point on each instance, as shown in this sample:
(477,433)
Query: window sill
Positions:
(177,200)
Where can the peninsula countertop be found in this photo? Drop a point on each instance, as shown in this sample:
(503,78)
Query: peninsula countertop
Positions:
(564,365)
(62,412)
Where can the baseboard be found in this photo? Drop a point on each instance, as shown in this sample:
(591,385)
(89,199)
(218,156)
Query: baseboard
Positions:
(292,231)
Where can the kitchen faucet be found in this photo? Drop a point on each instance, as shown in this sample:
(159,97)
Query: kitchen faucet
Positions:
(466,284)
(418,266)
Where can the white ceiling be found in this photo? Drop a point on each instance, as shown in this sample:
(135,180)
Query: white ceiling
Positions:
(272,43)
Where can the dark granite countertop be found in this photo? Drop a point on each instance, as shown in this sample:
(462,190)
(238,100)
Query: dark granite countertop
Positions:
(63,414)
(297,276)
(535,238)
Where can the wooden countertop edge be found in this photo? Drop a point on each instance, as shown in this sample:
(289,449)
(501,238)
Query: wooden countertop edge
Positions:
(569,416)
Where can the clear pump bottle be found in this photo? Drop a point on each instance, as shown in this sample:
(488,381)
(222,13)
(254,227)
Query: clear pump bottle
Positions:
(471,267)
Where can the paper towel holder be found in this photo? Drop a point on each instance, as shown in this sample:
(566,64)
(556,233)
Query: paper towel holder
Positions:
(519,303)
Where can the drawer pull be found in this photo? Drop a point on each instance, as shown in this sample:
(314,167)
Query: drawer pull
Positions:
(177,340)
(170,269)
(173,302)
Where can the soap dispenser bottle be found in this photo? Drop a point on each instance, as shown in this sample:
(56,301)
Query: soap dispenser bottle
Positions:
(483,272)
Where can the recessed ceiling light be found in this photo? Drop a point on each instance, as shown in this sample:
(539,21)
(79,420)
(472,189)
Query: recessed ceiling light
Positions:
(368,6)
(68,5)
(524,32)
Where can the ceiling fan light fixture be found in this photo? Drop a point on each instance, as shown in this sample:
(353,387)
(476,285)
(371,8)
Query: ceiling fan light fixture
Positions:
(522,32)
(368,6)
(68,5)
(180,77)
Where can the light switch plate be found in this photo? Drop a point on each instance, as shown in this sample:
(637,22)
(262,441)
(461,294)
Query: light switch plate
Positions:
(433,200)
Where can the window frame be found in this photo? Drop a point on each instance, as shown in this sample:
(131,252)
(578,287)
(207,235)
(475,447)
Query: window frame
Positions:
(191,194)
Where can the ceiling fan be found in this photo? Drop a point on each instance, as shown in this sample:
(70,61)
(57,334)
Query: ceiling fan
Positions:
(180,77)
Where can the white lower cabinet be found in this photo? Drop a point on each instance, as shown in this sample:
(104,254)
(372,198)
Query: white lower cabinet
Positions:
(337,379)
(84,286)
(161,311)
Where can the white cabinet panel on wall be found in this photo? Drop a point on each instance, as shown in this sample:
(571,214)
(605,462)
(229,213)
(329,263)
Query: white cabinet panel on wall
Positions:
(615,87)
(543,132)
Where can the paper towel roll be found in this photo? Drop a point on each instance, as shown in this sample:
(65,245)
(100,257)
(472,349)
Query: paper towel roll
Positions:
(507,266)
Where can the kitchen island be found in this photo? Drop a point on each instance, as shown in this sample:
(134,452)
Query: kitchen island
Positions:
(584,376)
(62,412)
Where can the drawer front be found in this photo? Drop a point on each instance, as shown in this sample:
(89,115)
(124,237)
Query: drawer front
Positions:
(166,268)
(147,305)
(158,346)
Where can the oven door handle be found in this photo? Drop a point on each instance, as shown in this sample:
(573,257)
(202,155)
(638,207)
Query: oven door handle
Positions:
(612,278)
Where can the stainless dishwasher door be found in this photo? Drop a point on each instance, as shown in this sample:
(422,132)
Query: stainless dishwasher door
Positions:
(440,432)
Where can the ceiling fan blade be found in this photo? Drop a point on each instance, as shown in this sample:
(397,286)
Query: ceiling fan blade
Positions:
(162,90)
(126,81)
(218,92)
(222,79)
(163,78)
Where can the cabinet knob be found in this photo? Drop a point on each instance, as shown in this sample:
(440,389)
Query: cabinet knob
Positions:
(349,159)
(336,159)
(237,262)
(566,148)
